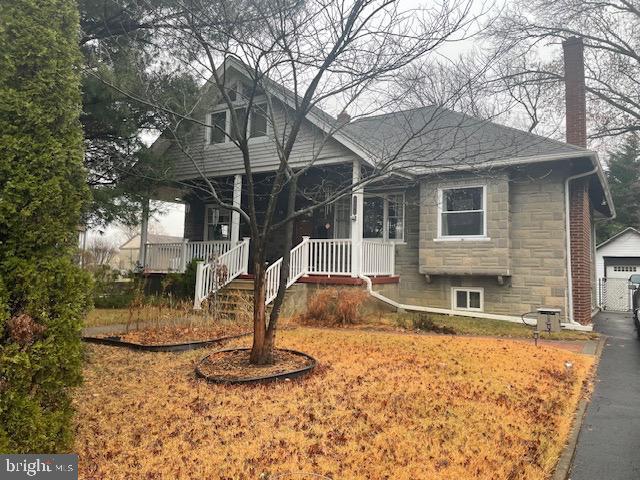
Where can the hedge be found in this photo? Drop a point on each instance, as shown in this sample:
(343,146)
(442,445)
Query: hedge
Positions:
(43,294)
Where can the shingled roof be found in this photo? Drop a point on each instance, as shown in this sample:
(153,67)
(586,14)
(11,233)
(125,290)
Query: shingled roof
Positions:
(434,138)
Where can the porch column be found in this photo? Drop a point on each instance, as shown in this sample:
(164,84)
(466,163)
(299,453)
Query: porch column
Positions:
(357,209)
(235,216)
(144,228)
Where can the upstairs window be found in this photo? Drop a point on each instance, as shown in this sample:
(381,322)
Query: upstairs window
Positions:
(219,122)
(221,130)
(220,118)
(462,212)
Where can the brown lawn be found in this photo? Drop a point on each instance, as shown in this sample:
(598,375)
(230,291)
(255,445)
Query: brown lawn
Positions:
(381,405)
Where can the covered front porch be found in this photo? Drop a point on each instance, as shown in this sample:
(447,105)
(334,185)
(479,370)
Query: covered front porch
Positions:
(352,237)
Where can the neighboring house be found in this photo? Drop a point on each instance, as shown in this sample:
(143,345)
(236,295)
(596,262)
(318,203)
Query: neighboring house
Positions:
(616,260)
(485,220)
(129,252)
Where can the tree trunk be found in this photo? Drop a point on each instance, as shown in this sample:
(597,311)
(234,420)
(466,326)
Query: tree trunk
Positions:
(261,351)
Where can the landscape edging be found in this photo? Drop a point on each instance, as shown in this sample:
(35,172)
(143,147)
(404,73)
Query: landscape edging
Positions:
(256,380)
(170,347)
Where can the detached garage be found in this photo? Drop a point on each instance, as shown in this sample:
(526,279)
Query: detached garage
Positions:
(616,260)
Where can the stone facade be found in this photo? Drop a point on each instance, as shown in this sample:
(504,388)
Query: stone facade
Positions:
(526,224)
(491,256)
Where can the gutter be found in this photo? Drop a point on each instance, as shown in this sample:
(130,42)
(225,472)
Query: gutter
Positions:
(461,313)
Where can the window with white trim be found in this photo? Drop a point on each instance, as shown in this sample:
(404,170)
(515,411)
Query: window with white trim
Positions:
(465,298)
(462,212)
(220,119)
(384,217)
(217,223)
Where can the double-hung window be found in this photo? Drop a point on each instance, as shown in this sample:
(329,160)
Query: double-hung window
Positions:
(462,213)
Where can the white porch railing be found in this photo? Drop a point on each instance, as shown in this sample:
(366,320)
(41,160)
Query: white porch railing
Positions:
(272,281)
(330,256)
(298,266)
(311,256)
(214,275)
(174,257)
(378,258)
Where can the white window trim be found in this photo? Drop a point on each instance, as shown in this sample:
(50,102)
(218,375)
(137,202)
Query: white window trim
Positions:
(460,238)
(479,290)
(207,206)
(385,218)
(257,101)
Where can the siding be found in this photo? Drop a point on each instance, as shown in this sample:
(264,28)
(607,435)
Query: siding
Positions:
(225,159)
(626,245)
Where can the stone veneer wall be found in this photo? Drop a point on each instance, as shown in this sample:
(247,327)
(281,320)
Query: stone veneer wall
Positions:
(537,248)
(491,255)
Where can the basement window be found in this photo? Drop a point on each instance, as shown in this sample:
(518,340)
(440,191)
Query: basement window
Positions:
(467,299)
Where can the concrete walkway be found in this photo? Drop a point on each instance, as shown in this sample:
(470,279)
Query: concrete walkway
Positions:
(609,441)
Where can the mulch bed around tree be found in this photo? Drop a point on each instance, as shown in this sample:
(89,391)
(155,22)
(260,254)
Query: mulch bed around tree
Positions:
(232,366)
(165,335)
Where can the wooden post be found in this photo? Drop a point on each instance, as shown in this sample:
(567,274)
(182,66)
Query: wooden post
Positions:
(235,216)
(144,229)
(245,255)
(184,256)
(196,294)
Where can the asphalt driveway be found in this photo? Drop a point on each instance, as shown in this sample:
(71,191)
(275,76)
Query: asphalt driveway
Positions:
(609,439)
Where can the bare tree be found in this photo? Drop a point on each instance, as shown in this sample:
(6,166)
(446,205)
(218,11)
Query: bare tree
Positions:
(609,30)
(304,55)
(102,250)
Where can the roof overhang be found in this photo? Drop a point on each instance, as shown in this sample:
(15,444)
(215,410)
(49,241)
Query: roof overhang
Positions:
(514,161)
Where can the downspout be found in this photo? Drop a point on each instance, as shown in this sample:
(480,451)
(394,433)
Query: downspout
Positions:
(567,225)
(461,313)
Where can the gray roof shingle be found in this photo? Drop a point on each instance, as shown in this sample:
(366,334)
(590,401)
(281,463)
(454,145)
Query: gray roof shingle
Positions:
(435,138)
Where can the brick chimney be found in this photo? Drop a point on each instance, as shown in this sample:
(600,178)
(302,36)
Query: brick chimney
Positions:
(343,118)
(580,207)
(576,114)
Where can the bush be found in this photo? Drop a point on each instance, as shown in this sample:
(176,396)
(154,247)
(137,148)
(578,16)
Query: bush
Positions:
(182,285)
(43,294)
(335,305)
(108,292)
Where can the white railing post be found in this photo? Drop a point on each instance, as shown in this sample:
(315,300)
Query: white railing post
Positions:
(305,254)
(392,267)
(184,256)
(245,255)
(198,293)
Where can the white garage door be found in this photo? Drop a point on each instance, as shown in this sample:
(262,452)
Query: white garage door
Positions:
(621,271)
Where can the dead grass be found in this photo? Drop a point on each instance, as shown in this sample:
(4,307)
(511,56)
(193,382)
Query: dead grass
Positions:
(174,334)
(379,406)
(459,325)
